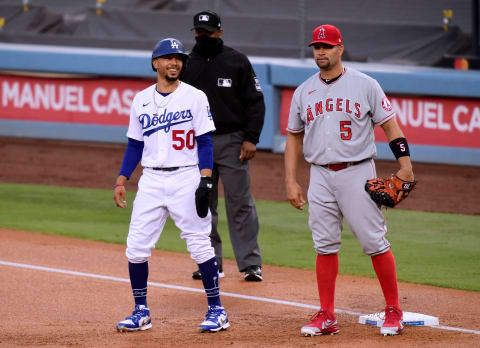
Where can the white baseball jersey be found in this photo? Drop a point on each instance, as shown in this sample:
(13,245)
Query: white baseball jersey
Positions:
(168,125)
(338,118)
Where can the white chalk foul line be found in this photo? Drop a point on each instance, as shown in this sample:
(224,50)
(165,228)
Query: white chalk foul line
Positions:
(228,294)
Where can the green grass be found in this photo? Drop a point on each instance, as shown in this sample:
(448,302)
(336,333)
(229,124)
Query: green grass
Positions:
(430,248)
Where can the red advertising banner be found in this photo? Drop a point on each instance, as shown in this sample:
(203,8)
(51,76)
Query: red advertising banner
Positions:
(103,101)
(424,120)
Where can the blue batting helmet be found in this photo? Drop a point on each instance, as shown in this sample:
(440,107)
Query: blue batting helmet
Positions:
(168,46)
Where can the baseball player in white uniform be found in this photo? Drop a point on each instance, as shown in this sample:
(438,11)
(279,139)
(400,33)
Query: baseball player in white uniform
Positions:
(332,119)
(169,131)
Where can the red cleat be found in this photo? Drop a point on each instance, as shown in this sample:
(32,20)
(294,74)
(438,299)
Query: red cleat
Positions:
(322,323)
(393,324)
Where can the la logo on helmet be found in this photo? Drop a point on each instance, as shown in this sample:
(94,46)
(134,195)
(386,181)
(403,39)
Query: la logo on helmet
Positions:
(174,44)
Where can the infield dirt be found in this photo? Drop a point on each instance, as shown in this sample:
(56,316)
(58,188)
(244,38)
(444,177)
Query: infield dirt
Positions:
(43,308)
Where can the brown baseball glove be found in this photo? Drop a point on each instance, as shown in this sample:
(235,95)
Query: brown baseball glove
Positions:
(389,192)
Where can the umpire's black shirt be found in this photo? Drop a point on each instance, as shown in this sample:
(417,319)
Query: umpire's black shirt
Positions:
(234,93)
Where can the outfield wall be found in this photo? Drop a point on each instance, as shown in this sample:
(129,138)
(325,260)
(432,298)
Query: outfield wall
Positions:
(85,94)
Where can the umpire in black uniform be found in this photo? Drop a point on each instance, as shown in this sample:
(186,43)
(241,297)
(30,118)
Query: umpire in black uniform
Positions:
(238,109)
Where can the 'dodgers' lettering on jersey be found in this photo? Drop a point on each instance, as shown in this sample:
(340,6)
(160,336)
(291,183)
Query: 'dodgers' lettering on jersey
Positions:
(333,105)
(154,123)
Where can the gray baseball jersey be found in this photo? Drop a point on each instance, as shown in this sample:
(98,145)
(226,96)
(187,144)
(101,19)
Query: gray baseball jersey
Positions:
(338,118)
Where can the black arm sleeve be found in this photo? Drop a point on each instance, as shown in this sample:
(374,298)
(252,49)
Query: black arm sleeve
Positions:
(251,96)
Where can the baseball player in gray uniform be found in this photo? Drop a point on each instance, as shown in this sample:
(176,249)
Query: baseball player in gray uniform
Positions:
(170,132)
(332,119)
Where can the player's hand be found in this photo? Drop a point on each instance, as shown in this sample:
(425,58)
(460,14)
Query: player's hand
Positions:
(119,196)
(406,174)
(247,152)
(295,195)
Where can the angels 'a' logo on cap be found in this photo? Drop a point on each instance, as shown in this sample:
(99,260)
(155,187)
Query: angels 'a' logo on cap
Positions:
(321,33)
(203,18)
(386,104)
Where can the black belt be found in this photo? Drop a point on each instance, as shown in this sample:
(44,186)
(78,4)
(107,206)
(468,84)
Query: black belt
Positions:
(171,169)
(343,165)
(168,169)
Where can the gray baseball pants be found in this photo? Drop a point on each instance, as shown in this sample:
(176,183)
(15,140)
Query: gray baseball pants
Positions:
(241,212)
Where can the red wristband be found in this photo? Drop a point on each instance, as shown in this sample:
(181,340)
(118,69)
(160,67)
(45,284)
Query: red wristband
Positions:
(117,185)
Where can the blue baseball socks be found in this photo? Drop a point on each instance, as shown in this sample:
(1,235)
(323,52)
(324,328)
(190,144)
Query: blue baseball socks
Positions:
(209,270)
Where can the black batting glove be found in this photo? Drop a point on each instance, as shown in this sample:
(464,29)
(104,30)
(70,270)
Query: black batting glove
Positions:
(202,196)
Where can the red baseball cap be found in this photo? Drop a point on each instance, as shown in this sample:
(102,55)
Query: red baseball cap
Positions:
(327,34)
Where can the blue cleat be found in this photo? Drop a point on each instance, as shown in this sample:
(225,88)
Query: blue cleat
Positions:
(138,321)
(216,320)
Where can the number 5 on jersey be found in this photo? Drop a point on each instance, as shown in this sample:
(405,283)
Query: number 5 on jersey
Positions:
(345,130)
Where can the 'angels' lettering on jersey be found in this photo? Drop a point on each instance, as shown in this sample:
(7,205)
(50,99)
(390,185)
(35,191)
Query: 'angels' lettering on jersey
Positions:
(154,123)
(338,119)
(333,105)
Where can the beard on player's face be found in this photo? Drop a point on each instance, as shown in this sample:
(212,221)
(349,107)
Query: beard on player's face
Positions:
(326,57)
(171,79)
(170,75)
(324,64)
(169,68)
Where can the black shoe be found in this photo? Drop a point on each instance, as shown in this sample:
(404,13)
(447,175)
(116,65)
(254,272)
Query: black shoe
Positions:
(197,275)
(253,274)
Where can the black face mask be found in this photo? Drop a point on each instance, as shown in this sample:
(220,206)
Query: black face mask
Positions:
(208,46)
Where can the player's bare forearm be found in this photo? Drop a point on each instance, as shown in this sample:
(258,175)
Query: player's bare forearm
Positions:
(119,192)
(393,131)
(293,151)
